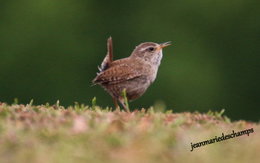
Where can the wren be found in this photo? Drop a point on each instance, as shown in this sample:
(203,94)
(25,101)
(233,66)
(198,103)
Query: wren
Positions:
(133,74)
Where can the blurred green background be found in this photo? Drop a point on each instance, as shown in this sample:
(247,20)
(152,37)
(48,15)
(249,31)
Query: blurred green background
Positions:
(50,50)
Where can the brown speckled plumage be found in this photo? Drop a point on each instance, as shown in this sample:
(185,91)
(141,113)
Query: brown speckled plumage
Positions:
(134,73)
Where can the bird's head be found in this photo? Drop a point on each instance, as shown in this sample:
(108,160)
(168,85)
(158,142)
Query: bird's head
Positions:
(150,52)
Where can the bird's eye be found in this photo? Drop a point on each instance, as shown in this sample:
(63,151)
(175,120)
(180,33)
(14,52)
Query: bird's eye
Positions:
(151,49)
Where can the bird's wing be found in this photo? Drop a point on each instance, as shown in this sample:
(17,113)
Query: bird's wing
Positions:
(116,74)
(109,57)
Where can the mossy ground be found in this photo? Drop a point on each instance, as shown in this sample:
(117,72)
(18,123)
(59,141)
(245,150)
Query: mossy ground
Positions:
(79,133)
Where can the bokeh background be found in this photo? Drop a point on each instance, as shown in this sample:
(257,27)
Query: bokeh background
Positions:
(50,50)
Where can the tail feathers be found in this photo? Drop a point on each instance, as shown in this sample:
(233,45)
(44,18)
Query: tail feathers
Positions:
(109,57)
(106,61)
(110,48)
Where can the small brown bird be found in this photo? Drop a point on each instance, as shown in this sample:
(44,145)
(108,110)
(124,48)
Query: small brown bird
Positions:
(133,74)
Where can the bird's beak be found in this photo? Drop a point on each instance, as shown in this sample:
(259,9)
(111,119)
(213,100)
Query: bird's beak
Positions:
(163,45)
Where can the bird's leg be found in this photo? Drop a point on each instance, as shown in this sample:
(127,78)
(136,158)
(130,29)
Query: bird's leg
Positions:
(123,103)
(115,103)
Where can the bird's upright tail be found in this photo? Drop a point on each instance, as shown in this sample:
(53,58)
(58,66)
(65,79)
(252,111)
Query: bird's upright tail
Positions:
(109,57)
